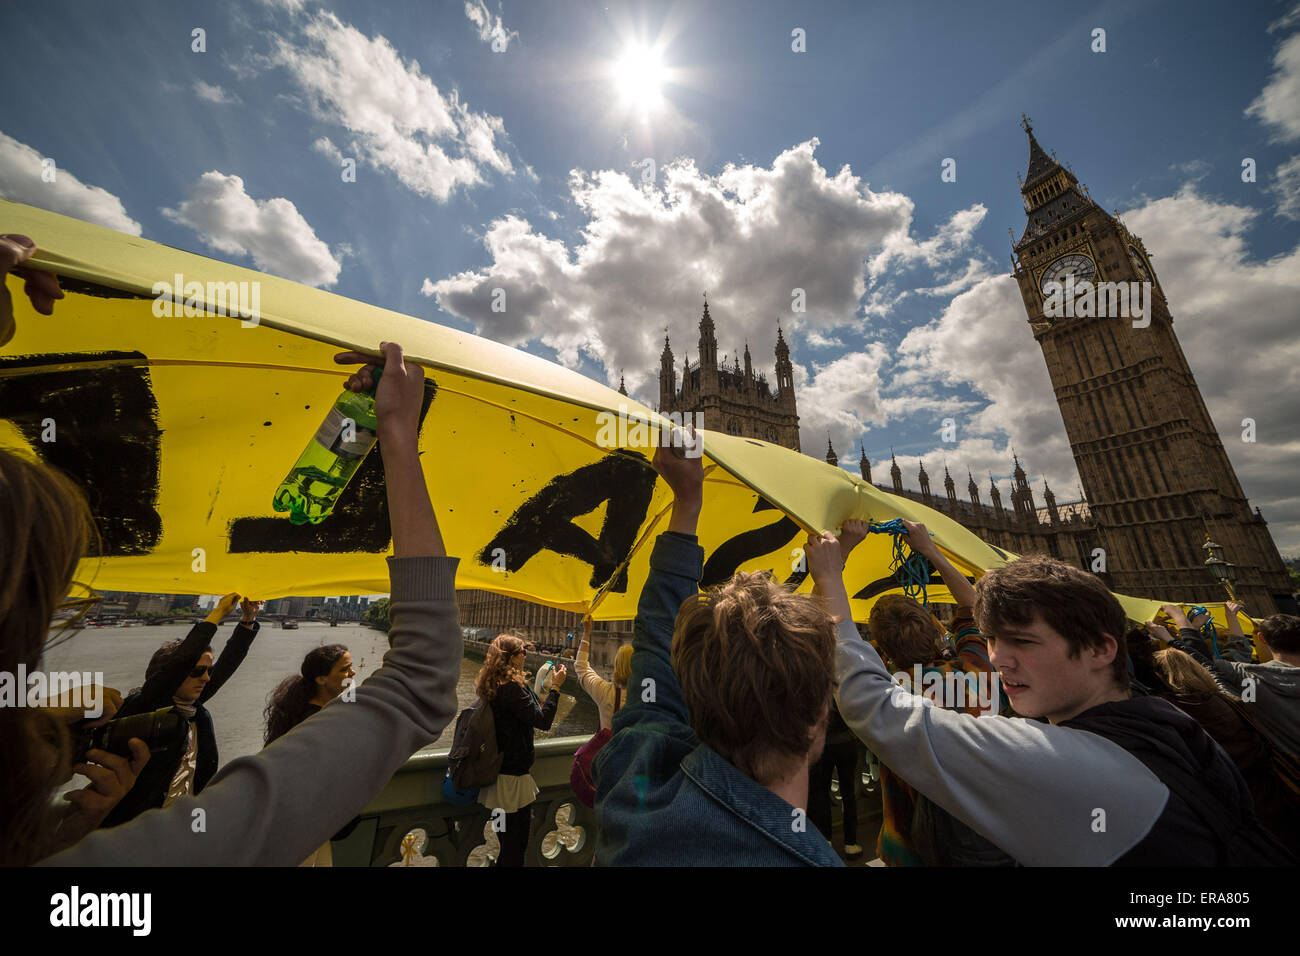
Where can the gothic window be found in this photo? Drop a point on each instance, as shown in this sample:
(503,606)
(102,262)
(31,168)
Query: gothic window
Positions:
(733,427)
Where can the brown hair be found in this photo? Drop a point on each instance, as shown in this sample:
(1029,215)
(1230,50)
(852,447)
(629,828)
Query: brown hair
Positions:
(497,669)
(1182,675)
(45,528)
(905,631)
(1281,632)
(756,664)
(1073,603)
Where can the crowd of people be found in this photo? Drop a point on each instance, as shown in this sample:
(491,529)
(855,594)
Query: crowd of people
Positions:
(1060,734)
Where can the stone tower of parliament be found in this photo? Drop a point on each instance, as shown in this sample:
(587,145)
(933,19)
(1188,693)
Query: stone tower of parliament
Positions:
(1153,468)
(732,399)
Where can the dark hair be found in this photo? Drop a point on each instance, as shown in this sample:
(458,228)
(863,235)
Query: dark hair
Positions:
(1073,603)
(905,631)
(165,655)
(285,705)
(1281,632)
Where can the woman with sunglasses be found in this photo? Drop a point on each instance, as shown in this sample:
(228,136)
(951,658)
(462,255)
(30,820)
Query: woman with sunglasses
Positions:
(182,674)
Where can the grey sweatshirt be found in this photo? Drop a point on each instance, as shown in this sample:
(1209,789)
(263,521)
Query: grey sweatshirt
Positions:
(1032,788)
(275,808)
(1271,691)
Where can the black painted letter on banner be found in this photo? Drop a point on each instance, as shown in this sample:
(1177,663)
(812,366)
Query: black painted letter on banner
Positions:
(747,545)
(545,522)
(359,522)
(107,437)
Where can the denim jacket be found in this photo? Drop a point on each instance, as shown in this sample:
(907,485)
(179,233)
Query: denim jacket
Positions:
(662,797)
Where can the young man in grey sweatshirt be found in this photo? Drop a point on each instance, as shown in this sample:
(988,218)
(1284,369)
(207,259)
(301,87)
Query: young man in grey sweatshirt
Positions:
(1060,793)
(276,807)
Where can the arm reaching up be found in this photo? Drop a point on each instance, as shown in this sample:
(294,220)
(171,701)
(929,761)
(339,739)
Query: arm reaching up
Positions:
(397,407)
(919,540)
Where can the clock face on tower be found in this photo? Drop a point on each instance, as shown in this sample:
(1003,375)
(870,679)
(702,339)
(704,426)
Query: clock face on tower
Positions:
(1076,264)
(1140,266)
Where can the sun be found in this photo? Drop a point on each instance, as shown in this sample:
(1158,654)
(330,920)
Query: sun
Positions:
(638,76)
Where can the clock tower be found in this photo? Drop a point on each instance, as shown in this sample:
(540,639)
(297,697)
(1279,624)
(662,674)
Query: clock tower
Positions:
(1151,462)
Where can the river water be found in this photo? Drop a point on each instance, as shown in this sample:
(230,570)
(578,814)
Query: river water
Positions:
(122,654)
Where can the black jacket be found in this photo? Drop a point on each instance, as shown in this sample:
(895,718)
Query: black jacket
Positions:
(1150,725)
(151,786)
(517,714)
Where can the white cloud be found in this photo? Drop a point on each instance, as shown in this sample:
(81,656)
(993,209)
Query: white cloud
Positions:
(749,236)
(272,231)
(843,398)
(400,120)
(982,339)
(953,237)
(213,94)
(489,28)
(20,181)
(1235,317)
(819,340)
(1278,104)
(326,147)
(1285,185)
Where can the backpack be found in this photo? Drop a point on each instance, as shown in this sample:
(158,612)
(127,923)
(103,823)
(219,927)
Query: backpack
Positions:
(580,778)
(940,839)
(474,760)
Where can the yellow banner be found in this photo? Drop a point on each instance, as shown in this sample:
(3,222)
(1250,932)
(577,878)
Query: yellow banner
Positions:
(179,392)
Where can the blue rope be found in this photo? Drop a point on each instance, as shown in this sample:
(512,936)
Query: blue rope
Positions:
(1207,629)
(911,569)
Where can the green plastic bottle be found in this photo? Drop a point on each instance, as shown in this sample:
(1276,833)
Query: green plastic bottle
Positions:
(330,459)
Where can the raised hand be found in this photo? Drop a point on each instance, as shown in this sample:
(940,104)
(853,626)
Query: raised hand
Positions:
(42,288)
(1175,613)
(224,607)
(399,395)
(918,538)
(685,476)
(852,534)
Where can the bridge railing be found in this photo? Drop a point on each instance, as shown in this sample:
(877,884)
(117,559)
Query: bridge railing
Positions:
(410,824)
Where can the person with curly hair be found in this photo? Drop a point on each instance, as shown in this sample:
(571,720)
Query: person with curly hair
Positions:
(517,712)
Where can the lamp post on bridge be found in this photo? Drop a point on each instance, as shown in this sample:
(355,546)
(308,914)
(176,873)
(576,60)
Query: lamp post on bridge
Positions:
(1225,572)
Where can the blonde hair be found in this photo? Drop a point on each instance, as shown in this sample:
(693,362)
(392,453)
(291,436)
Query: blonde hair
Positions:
(905,631)
(756,664)
(45,528)
(1183,675)
(623,665)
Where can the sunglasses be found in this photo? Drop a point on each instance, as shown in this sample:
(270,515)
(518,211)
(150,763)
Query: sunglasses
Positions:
(201,670)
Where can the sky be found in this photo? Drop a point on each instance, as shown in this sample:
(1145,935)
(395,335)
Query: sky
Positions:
(607,165)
